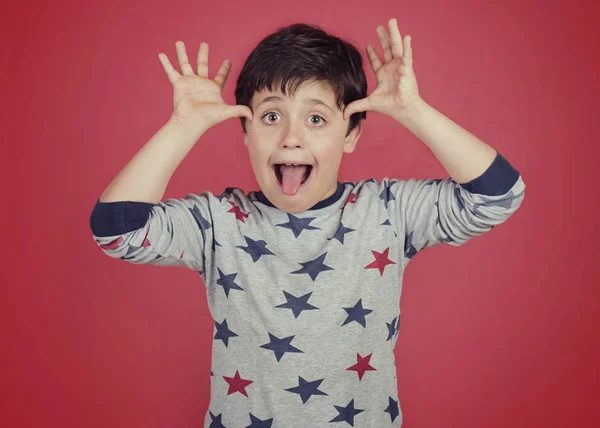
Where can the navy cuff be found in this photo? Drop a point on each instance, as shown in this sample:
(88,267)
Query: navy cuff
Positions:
(496,180)
(117,218)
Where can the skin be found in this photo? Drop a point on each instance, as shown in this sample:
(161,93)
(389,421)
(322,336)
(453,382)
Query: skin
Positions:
(296,130)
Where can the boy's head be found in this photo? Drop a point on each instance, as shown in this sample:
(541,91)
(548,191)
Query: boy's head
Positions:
(299,64)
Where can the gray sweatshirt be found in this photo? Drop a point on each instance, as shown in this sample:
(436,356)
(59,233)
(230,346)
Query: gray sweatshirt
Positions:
(306,306)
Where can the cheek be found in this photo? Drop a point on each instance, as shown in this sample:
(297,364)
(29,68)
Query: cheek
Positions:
(329,152)
(258,149)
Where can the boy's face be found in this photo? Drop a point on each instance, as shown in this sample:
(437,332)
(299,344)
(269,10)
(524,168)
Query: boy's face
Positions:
(297,131)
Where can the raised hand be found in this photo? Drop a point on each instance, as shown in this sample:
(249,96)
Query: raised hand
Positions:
(196,98)
(396,81)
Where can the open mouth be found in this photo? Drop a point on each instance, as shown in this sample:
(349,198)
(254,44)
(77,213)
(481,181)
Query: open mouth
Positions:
(277,169)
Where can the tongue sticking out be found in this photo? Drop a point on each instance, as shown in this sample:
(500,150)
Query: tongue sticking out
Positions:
(291,178)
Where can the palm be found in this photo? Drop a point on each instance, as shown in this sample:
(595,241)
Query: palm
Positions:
(195,96)
(194,92)
(393,87)
(396,81)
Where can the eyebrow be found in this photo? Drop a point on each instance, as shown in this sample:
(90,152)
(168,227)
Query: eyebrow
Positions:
(313,101)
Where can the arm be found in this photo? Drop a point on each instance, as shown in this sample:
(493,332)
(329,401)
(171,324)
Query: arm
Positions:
(129,221)
(430,212)
(463,155)
(146,176)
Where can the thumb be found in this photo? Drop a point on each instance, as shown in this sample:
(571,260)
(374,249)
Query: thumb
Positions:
(238,111)
(356,107)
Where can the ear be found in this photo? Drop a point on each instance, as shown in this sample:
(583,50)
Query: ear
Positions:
(352,138)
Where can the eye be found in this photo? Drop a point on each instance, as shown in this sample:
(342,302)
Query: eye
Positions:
(321,120)
(270,113)
(318,123)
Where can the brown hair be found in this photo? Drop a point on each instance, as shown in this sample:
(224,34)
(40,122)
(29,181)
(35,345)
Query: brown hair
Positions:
(299,53)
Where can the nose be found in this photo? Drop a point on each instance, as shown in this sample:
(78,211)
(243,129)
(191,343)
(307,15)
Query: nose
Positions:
(293,135)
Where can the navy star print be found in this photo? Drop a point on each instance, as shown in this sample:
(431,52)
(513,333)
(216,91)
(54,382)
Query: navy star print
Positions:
(256,249)
(297,225)
(341,231)
(307,389)
(392,409)
(227,282)
(296,304)
(409,249)
(280,346)
(393,328)
(314,267)
(223,332)
(203,224)
(216,421)
(257,423)
(346,414)
(386,194)
(357,313)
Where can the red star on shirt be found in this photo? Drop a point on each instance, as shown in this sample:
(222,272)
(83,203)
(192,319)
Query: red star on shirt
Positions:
(238,212)
(112,244)
(351,200)
(362,365)
(237,384)
(146,243)
(381,261)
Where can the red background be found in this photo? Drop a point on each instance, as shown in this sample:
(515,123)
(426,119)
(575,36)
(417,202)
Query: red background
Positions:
(501,332)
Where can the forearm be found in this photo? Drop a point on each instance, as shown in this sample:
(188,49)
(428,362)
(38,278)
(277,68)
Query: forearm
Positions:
(464,156)
(146,176)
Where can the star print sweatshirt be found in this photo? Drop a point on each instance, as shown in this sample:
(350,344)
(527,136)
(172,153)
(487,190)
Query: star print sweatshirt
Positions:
(306,307)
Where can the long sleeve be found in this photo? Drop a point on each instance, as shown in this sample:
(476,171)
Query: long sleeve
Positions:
(430,212)
(173,232)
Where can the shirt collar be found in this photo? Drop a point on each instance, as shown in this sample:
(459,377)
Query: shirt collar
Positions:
(321,204)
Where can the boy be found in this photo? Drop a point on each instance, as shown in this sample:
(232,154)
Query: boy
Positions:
(304,277)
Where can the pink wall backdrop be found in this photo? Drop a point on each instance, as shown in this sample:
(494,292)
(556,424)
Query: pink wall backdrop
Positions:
(502,332)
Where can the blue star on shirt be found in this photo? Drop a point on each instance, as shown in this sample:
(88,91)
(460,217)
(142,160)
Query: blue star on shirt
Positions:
(386,195)
(167,224)
(297,304)
(459,199)
(223,332)
(346,414)
(226,194)
(256,249)
(392,328)
(387,223)
(257,423)
(203,224)
(357,313)
(505,202)
(392,408)
(280,346)
(307,389)
(314,267)
(216,421)
(341,232)
(227,281)
(297,225)
(409,249)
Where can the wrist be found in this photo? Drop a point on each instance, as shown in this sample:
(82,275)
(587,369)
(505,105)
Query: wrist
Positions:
(186,125)
(413,113)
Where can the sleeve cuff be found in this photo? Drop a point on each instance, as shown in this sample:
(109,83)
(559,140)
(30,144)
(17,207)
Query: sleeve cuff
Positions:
(117,218)
(498,179)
